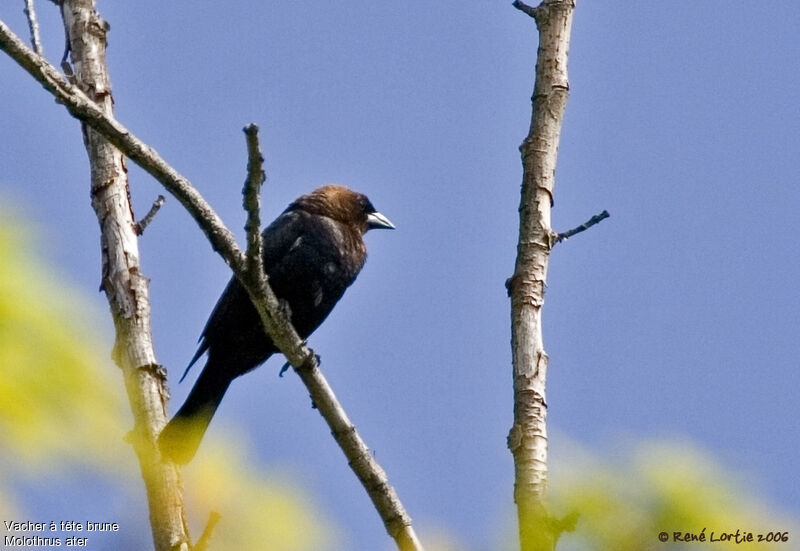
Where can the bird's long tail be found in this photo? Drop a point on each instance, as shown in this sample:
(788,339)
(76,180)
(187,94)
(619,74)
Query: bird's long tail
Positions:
(182,435)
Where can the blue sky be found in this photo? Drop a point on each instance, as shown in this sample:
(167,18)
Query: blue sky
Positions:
(676,317)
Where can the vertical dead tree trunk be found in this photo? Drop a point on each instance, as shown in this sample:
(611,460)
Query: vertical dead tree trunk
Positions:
(527,439)
(122,280)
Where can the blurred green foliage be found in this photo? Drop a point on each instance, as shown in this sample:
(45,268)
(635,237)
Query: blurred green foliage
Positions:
(59,404)
(254,507)
(63,411)
(671,487)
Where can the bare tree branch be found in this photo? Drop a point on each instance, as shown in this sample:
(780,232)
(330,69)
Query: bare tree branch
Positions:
(252,202)
(140,226)
(525,8)
(596,219)
(125,286)
(33,26)
(373,478)
(369,472)
(527,438)
(86,110)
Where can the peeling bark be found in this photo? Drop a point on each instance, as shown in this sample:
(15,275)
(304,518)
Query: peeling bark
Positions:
(125,286)
(527,439)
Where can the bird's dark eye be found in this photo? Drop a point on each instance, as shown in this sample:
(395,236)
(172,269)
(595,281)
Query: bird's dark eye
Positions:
(366,205)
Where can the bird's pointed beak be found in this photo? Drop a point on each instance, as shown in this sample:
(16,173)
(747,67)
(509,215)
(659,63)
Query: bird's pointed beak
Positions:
(377,221)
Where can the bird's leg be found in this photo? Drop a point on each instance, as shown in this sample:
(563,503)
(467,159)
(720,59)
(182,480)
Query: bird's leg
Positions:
(286,309)
(287,365)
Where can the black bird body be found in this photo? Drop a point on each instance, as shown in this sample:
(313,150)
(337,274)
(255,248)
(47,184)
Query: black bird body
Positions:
(312,253)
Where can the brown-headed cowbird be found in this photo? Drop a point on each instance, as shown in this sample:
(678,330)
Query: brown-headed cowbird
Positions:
(312,252)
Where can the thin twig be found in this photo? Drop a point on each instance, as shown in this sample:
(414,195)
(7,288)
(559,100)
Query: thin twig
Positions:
(583,227)
(33,25)
(140,226)
(64,63)
(252,203)
(525,8)
(205,537)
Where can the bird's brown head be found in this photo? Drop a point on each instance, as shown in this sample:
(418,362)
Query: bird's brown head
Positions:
(344,205)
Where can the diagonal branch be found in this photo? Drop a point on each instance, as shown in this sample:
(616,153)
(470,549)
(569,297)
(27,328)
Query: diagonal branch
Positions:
(83,108)
(142,224)
(525,8)
(369,473)
(596,219)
